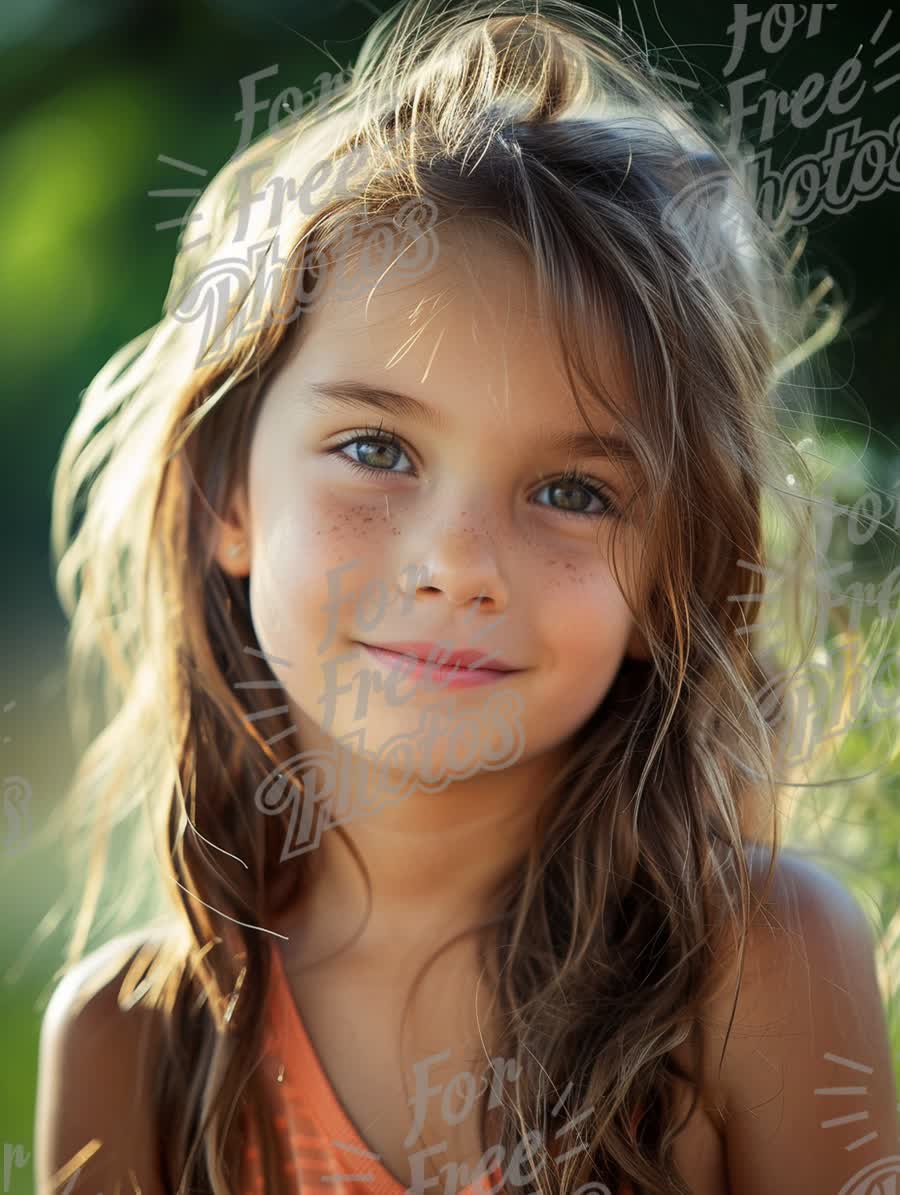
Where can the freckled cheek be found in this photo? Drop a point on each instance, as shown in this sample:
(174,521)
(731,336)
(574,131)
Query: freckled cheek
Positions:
(585,618)
(581,623)
(302,535)
(322,513)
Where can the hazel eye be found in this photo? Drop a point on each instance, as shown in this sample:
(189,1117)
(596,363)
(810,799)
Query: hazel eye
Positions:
(573,482)
(370,447)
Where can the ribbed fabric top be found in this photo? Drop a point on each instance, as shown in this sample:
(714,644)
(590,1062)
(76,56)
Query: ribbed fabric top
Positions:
(324,1150)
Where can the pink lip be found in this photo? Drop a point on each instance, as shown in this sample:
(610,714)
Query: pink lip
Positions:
(451,668)
(437,655)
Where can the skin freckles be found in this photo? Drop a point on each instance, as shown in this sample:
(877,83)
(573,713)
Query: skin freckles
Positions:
(484,507)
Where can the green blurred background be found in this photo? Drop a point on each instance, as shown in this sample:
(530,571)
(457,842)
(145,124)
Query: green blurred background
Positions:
(96,93)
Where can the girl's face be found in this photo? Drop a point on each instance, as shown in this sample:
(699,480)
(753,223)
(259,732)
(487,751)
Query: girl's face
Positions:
(463,529)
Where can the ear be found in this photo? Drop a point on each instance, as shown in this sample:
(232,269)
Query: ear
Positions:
(232,550)
(637,645)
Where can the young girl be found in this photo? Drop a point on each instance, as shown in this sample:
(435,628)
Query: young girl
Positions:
(409,542)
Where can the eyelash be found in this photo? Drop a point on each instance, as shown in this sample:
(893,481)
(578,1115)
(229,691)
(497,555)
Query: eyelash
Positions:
(570,477)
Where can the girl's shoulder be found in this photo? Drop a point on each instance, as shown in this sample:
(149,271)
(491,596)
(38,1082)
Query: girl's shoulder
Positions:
(95,1126)
(809,1017)
(808,935)
(807,924)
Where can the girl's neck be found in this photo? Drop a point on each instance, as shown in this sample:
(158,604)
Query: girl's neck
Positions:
(436,862)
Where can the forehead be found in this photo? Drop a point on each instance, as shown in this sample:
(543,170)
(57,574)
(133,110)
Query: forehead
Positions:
(461,330)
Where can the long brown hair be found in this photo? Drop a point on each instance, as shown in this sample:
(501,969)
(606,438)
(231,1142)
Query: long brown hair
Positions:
(549,129)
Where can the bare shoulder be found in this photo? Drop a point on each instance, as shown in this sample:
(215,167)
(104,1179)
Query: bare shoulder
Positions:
(804,1078)
(94,1125)
(808,924)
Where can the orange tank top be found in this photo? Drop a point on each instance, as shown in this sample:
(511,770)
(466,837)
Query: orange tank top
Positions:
(325,1152)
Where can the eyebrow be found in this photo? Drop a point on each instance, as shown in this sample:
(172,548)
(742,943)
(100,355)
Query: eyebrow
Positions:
(353,394)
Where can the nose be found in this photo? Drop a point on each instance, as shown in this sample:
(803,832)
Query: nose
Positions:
(461,566)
